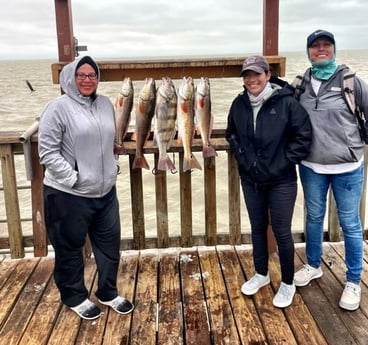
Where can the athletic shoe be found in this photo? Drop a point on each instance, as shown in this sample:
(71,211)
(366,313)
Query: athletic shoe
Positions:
(254,284)
(284,296)
(87,310)
(307,273)
(120,304)
(350,298)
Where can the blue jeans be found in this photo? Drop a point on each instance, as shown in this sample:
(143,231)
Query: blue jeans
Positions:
(347,189)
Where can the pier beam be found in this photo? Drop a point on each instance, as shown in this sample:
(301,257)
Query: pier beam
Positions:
(270,27)
(64,27)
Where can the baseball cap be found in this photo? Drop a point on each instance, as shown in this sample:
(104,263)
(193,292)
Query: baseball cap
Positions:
(256,64)
(318,34)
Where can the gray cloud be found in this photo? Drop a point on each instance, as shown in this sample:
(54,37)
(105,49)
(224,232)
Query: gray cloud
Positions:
(116,28)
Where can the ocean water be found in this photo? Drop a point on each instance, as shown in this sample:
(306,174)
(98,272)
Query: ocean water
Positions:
(19,107)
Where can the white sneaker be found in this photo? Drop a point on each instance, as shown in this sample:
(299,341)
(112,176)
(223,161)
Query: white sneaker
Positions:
(284,296)
(350,298)
(254,284)
(306,274)
(120,304)
(87,310)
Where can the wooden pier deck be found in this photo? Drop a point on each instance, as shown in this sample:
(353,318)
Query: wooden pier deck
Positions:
(183,296)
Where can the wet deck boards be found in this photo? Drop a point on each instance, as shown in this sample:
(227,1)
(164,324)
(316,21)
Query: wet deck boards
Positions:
(183,296)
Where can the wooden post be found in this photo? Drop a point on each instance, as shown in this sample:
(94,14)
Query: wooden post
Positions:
(64,27)
(39,228)
(271,47)
(270,27)
(11,202)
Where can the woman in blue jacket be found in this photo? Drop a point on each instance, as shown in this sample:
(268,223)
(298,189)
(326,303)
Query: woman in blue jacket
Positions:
(76,141)
(269,133)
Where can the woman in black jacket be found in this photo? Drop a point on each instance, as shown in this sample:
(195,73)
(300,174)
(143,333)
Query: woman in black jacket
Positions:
(269,133)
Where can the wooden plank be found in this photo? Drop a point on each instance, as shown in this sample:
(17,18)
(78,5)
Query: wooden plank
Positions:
(162,217)
(117,330)
(186,216)
(67,325)
(7,267)
(11,202)
(175,68)
(245,314)
(46,312)
(273,319)
(333,290)
(210,200)
(13,287)
(136,190)
(223,327)
(301,321)
(26,302)
(38,222)
(196,323)
(170,316)
(234,200)
(315,296)
(143,330)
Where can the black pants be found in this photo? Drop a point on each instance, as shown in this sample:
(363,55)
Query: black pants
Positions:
(69,219)
(278,201)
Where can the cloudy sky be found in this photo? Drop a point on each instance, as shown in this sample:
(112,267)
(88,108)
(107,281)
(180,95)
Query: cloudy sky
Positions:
(139,28)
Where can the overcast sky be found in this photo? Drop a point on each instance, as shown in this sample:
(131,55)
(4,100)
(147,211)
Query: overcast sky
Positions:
(140,28)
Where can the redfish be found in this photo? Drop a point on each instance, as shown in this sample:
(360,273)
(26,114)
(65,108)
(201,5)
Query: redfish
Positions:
(164,122)
(185,116)
(203,117)
(144,114)
(123,108)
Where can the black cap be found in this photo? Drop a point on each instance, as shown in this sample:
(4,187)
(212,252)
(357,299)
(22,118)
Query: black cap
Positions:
(318,34)
(88,60)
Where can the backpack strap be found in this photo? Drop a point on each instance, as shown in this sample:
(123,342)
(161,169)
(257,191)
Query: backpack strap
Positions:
(348,90)
(298,84)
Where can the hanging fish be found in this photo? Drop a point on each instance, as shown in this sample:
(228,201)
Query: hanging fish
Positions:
(203,116)
(144,113)
(123,109)
(164,122)
(185,115)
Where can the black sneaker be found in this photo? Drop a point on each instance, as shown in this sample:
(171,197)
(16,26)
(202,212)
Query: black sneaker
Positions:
(120,304)
(87,310)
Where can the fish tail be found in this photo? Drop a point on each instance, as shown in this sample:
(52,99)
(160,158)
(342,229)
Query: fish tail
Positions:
(119,149)
(191,162)
(209,151)
(140,162)
(165,163)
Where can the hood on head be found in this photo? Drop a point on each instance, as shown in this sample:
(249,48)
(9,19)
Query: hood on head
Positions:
(67,75)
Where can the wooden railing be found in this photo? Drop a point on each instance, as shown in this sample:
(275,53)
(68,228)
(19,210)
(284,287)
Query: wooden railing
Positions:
(12,144)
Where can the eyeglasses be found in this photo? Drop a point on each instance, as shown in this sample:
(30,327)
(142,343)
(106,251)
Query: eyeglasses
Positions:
(82,76)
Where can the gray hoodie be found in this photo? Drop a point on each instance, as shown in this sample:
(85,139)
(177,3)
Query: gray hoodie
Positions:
(76,140)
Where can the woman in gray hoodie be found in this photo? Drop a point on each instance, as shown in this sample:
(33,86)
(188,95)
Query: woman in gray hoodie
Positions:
(76,142)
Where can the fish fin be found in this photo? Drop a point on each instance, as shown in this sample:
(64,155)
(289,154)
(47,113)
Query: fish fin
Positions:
(209,151)
(184,107)
(190,163)
(134,136)
(140,162)
(165,163)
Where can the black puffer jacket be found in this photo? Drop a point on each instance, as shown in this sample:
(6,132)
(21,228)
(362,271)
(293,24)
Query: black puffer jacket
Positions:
(282,139)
